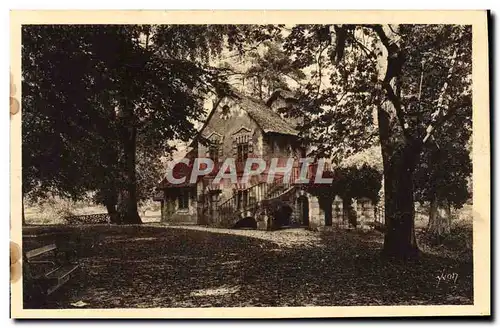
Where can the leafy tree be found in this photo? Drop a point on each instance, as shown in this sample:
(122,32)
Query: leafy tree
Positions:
(62,140)
(374,89)
(85,100)
(442,176)
(348,183)
(270,70)
(94,95)
(168,81)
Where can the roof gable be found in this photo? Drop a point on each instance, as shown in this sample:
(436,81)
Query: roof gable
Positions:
(242,129)
(266,118)
(260,112)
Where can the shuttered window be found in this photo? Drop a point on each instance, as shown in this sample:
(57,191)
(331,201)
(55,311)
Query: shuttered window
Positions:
(242,147)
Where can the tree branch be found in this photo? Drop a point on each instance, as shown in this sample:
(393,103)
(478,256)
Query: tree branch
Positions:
(381,34)
(392,30)
(367,51)
(322,49)
(394,63)
(396,102)
(435,122)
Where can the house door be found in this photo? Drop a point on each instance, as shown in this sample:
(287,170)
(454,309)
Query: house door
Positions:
(303,208)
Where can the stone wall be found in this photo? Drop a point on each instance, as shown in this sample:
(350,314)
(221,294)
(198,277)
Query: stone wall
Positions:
(316,214)
(365,213)
(365,210)
(338,219)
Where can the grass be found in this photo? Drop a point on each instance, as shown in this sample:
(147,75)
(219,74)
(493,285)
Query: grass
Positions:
(155,266)
(457,243)
(52,210)
(39,215)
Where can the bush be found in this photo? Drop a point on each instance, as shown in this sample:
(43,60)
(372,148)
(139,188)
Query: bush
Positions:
(457,243)
(53,210)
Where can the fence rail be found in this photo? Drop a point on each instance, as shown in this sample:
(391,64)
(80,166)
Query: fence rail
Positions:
(379,214)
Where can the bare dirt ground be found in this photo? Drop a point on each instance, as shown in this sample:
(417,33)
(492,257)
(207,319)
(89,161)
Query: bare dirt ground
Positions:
(157,266)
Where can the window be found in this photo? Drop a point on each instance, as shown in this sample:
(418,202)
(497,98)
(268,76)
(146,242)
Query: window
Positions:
(183,200)
(213,152)
(242,144)
(243,150)
(225,112)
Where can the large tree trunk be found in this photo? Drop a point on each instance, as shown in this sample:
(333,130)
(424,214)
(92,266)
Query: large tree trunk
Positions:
(112,212)
(400,238)
(127,208)
(400,153)
(127,202)
(109,199)
(400,157)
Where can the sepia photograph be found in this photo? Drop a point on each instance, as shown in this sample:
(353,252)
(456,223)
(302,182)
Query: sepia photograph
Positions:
(277,164)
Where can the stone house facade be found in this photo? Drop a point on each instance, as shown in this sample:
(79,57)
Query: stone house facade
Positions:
(241,127)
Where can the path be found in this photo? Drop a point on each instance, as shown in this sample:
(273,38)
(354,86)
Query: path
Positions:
(157,266)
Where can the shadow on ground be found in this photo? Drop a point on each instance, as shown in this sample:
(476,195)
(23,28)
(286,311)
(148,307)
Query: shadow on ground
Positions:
(162,267)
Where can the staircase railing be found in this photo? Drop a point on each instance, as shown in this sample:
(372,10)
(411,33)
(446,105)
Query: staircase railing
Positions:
(253,196)
(243,200)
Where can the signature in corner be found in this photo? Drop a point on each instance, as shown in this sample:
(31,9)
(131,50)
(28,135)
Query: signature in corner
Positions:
(447,277)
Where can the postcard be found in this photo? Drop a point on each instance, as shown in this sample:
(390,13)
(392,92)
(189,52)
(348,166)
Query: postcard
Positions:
(250,164)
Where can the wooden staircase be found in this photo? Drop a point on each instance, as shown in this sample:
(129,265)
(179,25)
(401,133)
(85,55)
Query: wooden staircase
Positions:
(254,200)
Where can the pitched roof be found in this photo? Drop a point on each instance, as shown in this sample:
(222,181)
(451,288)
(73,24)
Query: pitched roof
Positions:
(179,171)
(281,93)
(260,111)
(265,117)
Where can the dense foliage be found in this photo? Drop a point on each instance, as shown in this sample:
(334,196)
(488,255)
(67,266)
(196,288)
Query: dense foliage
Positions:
(350,182)
(372,82)
(95,96)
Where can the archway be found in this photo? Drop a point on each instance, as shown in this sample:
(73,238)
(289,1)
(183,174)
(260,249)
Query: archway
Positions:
(303,210)
(246,222)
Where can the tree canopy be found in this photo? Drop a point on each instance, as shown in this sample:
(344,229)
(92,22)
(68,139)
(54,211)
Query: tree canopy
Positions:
(379,85)
(96,96)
